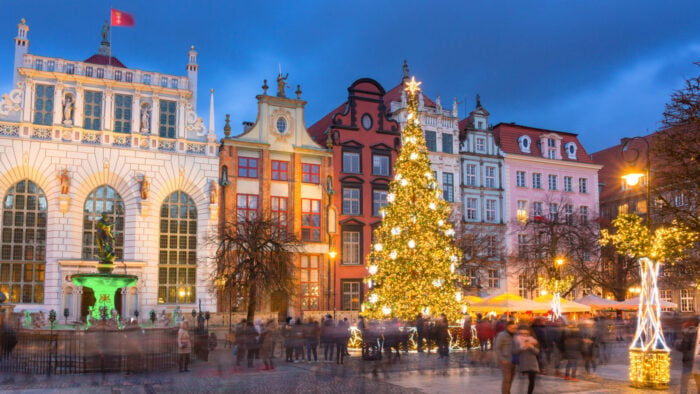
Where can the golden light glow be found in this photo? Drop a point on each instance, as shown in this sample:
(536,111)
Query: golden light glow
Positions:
(332,254)
(559,262)
(412,86)
(650,369)
(632,179)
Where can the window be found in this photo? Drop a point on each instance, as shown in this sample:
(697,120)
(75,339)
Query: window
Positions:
(679,200)
(281,124)
(687,300)
(146,79)
(246,206)
(23,243)
(569,214)
(470,175)
(494,279)
(378,200)
(622,209)
(310,220)
(665,295)
(552,182)
(129,76)
(552,154)
(568,184)
(100,73)
(309,283)
(536,181)
(173,83)
(351,247)
(492,246)
(51,65)
(351,162)
(524,285)
(104,199)
(570,149)
(92,110)
(537,208)
(522,246)
(524,143)
(431,140)
(380,165)
(351,294)
(164,82)
(481,145)
(522,211)
(39,64)
(88,71)
(490,210)
(247,167)
(310,173)
(70,68)
(280,170)
(583,185)
(490,176)
(122,113)
(43,104)
(351,201)
(520,179)
(471,208)
(447,143)
(583,214)
(472,274)
(553,211)
(177,262)
(278,212)
(168,113)
(448,186)
(117,75)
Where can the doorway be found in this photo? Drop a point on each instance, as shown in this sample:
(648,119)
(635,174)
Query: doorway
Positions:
(279,302)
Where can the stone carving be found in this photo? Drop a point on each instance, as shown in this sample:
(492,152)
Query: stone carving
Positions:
(144,186)
(145,118)
(11,102)
(214,192)
(64,179)
(281,84)
(68,110)
(105,239)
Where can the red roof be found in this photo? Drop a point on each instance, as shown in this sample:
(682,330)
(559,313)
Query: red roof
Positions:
(105,61)
(507,136)
(318,130)
(395,95)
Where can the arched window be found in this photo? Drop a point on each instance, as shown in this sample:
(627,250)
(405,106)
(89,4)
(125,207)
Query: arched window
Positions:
(103,199)
(177,259)
(23,249)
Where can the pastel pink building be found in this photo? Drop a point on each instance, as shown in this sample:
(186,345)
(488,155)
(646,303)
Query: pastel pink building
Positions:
(548,177)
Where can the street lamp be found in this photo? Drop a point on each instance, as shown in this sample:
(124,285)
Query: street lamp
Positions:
(650,363)
(332,255)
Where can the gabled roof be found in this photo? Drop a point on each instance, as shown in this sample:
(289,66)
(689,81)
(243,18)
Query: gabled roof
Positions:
(507,138)
(318,130)
(395,95)
(103,60)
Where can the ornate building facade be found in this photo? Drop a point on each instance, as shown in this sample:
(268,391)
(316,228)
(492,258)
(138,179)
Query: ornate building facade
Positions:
(83,138)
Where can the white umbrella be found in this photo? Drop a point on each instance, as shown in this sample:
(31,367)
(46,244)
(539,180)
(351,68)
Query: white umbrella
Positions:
(596,302)
(633,303)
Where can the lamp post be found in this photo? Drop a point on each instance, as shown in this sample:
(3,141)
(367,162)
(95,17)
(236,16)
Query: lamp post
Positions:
(556,297)
(332,255)
(650,363)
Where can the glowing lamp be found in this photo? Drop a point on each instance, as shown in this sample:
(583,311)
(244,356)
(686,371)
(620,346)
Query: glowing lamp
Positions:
(378,247)
(392,255)
(372,269)
(373,298)
(432,206)
(414,155)
(632,179)
(411,244)
(390,197)
(386,310)
(332,254)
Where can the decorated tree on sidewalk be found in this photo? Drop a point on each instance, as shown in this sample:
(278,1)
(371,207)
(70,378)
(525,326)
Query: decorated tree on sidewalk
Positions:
(413,259)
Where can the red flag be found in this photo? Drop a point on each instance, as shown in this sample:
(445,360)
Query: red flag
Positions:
(121,18)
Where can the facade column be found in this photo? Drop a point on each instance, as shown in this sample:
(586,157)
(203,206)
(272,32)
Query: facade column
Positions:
(108,110)
(181,124)
(155,115)
(78,107)
(136,113)
(58,104)
(28,107)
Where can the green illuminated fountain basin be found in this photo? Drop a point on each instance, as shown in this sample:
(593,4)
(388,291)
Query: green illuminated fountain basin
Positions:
(104,285)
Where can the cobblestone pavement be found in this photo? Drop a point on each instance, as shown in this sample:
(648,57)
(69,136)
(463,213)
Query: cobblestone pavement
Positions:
(414,373)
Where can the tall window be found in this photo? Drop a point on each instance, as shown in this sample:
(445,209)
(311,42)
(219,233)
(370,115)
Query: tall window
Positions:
(70,68)
(43,104)
(247,167)
(88,71)
(351,290)
(490,210)
(470,175)
(164,82)
(280,170)
(687,300)
(310,173)
(583,185)
(494,278)
(129,76)
(309,283)
(553,211)
(23,243)
(552,182)
(173,83)
(100,73)
(447,143)
(522,246)
(351,162)
(490,176)
(568,184)
(51,65)
(117,75)
(104,199)
(665,295)
(351,247)
(520,179)
(351,201)
(146,79)
(583,214)
(380,165)
(246,206)
(92,110)
(122,113)
(472,274)
(177,261)
(521,213)
(448,186)
(168,116)
(310,220)
(278,212)
(523,286)
(492,246)
(472,204)
(536,180)
(569,214)
(39,64)
(378,200)
(431,140)
(481,145)
(537,208)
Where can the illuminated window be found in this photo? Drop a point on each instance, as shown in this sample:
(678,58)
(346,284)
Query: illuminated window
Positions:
(246,206)
(43,104)
(522,211)
(351,297)
(23,243)
(104,199)
(310,173)
(310,220)
(177,261)
(309,283)
(280,170)
(248,167)
(622,209)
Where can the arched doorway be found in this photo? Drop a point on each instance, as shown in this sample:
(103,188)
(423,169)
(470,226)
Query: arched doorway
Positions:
(86,300)
(279,302)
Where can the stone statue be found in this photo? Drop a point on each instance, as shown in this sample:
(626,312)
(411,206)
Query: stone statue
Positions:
(105,32)
(27,319)
(68,110)
(281,84)
(144,186)
(145,119)
(64,179)
(214,192)
(105,239)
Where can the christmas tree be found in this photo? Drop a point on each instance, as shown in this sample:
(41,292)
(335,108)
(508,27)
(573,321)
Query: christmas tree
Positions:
(413,258)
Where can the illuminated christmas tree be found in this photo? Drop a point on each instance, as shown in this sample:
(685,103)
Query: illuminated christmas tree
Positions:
(413,258)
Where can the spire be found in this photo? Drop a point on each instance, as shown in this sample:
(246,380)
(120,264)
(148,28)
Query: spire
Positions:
(405,77)
(21,48)
(227,127)
(212,128)
(478,101)
(192,69)
(455,110)
(105,45)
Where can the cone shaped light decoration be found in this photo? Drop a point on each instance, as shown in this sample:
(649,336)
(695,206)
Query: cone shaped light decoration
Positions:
(414,245)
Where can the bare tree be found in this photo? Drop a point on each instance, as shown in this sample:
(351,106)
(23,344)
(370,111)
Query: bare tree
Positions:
(254,256)
(482,250)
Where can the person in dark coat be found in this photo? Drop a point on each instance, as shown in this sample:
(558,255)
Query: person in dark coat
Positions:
(589,345)
(239,342)
(526,351)
(341,341)
(420,331)
(467,332)
(251,342)
(484,332)
(311,334)
(687,346)
(327,341)
(571,340)
(442,337)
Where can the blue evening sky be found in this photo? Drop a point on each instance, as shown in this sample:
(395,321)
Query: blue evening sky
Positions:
(600,68)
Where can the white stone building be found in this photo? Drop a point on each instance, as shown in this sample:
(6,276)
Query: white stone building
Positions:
(78,138)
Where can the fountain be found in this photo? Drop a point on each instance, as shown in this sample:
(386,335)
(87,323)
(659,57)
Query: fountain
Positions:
(104,283)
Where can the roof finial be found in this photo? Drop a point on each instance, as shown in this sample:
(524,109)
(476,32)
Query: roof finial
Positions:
(478,101)
(227,127)
(298,92)
(212,127)
(105,46)
(405,77)
(281,84)
(265,87)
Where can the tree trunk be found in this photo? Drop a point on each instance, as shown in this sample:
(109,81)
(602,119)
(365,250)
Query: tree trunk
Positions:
(251,303)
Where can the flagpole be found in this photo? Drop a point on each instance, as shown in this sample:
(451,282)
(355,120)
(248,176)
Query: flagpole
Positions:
(110,36)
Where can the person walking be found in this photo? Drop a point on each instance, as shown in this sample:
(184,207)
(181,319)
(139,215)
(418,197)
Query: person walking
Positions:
(326,335)
(239,342)
(503,345)
(441,336)
(311,334)
(686,346)
(525,352)
(341,341)
(267,344)
(484,332)
(589,345)
(184,347)
(420,331)
(251,343)
(572,351)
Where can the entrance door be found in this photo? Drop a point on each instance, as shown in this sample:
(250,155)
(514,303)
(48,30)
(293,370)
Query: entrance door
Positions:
(87,300)
(279,302)
(118,304)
